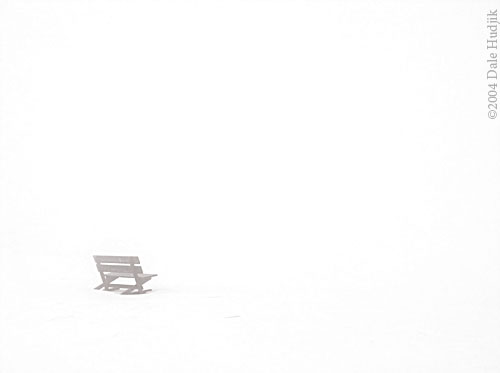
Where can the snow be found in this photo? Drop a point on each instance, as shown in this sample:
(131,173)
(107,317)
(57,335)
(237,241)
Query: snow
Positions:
(316,184)
(57,322)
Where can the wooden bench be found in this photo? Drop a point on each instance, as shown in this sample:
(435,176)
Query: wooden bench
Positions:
(112,267)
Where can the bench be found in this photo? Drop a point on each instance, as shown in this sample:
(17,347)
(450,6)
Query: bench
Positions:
(113,267)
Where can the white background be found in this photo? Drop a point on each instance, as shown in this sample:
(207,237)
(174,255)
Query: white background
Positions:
(316,183)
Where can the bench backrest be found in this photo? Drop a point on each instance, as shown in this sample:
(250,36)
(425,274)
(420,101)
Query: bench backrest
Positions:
(118,264)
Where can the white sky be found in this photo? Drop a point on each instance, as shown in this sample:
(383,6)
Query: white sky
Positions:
(310,143)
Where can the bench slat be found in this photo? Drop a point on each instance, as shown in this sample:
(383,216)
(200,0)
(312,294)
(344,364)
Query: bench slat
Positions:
(118,268)
(116,259)
(129,275)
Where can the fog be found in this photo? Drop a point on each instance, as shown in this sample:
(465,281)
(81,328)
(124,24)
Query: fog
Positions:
(315,149)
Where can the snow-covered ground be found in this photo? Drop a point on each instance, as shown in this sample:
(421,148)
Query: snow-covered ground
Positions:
(52,320)
(316,184)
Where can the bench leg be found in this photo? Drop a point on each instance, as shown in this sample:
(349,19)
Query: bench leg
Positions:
(106,281)
(103,284)
(138,287)
(128,291)
(132,292)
